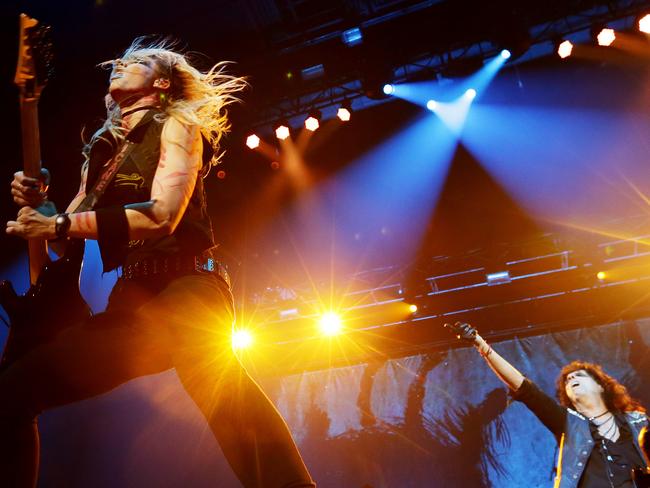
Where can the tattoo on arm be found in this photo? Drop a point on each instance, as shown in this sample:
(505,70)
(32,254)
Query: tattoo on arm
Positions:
(84,221)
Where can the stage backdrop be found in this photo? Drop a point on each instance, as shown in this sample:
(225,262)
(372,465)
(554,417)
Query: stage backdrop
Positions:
(432,420)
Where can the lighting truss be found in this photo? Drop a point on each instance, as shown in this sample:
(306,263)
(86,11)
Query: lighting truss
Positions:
(544,36)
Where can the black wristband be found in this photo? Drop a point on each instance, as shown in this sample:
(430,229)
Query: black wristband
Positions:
(61,225)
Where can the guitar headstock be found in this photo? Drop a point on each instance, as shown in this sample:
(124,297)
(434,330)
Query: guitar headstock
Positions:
(34,67)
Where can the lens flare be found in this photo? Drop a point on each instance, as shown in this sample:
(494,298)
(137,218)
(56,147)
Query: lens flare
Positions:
(330,324)
(241,339)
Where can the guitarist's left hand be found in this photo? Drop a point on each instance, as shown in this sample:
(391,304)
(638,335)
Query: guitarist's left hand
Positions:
(31,224)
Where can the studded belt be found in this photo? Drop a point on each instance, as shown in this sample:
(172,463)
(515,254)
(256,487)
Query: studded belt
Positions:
(174,265)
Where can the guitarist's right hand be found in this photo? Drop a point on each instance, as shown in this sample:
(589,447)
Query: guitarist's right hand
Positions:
(30,192)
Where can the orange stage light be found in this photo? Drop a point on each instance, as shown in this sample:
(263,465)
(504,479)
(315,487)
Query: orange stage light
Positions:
(564,49)
(644,24)
(253,141)
(282,132)
(343,114)
(606,37)
(311,123)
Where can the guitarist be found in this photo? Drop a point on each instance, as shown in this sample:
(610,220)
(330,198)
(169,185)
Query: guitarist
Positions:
(142,198)
(596,422)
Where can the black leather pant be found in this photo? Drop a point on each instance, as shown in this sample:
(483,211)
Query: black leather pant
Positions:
(149,327)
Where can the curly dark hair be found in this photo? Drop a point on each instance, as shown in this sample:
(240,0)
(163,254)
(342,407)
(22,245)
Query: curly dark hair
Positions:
(616,397)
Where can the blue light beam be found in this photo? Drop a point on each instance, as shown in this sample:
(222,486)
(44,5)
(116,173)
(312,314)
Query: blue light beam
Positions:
(454,114)
(390,193)
(449,91)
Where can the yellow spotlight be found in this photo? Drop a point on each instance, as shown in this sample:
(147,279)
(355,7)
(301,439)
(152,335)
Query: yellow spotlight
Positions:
(564,49)
(606,37)
(601,275)
(311,123)
(413,308)
(282,132)
(330,324)
(241,339)
(343,114)
(253,141)
(644,24)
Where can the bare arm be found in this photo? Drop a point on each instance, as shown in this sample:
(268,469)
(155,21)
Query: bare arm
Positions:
(505,371)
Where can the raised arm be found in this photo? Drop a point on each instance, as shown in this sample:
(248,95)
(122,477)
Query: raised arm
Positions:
(505,371)
(543,406)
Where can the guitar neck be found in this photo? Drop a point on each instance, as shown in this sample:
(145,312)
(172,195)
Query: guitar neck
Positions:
(31,137)
(37,248)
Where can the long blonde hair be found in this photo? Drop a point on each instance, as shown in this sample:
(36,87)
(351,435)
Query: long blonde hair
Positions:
(194,97)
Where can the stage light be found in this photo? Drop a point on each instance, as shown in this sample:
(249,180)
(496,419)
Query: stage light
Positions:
(352,37)
(432,105)
(221,174)
(312,122)
(241,339)
(644,24)
(601,275)
(564,49)
(388,89)
(606,37)
(253,141)
(330,324)
(498,278)
(343,114)
(470,93)
(282,132)
(505,54)
(413,308)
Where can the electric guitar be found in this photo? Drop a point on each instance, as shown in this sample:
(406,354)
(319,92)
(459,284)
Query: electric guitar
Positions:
(53,300)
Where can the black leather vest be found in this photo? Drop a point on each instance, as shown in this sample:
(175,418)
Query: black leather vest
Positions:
(132,184)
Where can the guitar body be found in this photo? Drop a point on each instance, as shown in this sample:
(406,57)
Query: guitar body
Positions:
(53,300)
(50,305)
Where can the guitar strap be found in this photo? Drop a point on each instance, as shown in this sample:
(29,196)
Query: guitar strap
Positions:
(110,170)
